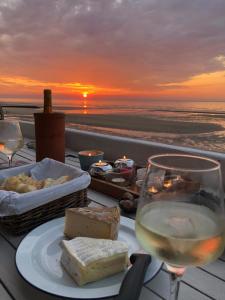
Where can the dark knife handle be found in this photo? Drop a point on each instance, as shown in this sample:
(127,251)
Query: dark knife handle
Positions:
(133,281)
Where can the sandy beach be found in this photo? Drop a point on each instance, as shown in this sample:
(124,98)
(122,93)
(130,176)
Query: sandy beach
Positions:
(207,133)
(204,131)
(143,123)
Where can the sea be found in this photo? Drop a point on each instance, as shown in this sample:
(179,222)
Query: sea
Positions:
(210,114)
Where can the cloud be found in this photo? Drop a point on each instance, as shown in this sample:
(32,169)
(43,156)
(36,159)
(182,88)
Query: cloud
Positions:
(11,4)
(203,86)
(203,80)
(128,45)
(62,87)
(221,59)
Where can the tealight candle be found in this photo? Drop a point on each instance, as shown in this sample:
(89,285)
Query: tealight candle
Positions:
(119,181)
(124,162)
(88,157)
(153,190)
(170,181)
(100,164)
(167,183)
(100,168)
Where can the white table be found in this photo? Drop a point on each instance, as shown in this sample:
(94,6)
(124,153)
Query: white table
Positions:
(197,284)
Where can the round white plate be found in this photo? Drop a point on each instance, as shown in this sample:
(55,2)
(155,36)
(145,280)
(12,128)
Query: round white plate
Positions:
(38,261)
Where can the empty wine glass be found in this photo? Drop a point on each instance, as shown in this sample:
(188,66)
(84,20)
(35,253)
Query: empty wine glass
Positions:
(11,139)
(180,217)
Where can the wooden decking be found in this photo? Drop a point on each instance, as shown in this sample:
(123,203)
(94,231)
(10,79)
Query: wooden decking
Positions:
(203,283)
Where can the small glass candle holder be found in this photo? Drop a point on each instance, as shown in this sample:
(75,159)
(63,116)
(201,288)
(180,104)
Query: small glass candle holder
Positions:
(117,178)
(123,177)
(119,181)
(126,168)
(100,168)
(88,157)
(124,163)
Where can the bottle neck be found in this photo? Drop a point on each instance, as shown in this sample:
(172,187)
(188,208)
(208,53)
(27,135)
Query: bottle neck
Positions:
(47,101)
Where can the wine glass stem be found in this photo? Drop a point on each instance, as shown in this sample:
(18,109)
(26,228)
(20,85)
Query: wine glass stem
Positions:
(10,157)
(174,285)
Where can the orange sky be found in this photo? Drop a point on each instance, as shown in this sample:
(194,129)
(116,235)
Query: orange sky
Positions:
(203,86)
(131,49)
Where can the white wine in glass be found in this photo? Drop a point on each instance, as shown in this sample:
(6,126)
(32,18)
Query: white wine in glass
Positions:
(11,139)
(180,218)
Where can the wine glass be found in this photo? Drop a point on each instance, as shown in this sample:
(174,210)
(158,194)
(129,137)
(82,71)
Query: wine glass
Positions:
(11,139)
(180,216)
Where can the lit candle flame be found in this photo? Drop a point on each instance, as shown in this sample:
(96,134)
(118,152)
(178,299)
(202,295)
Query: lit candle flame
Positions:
(153,190)
(124,157)
(167,184)
(101,163)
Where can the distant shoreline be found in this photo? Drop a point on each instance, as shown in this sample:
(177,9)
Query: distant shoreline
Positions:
(118,107)
(205,112)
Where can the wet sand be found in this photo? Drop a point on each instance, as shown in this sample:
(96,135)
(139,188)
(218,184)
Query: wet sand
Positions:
(203,133)
(144,123)
(196,131)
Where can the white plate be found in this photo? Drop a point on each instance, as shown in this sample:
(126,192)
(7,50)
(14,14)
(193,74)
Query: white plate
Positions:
(38,261)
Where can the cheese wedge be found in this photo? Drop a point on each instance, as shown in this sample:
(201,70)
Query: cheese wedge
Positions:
(93,222)
(89,259)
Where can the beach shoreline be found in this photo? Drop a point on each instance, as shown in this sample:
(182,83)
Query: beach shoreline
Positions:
(196,131)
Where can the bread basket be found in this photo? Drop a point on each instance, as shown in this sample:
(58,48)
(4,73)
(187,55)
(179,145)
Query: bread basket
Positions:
(21,212)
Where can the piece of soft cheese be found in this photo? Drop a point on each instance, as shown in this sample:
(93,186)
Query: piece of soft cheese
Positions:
(89,259)
(96,222)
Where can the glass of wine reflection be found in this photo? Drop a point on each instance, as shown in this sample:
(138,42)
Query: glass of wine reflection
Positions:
(11,139)
(180,217)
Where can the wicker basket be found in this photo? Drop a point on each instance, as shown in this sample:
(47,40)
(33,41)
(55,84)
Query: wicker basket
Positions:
(18,224)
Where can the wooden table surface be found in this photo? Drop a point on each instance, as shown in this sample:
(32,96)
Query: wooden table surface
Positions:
(200,283)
